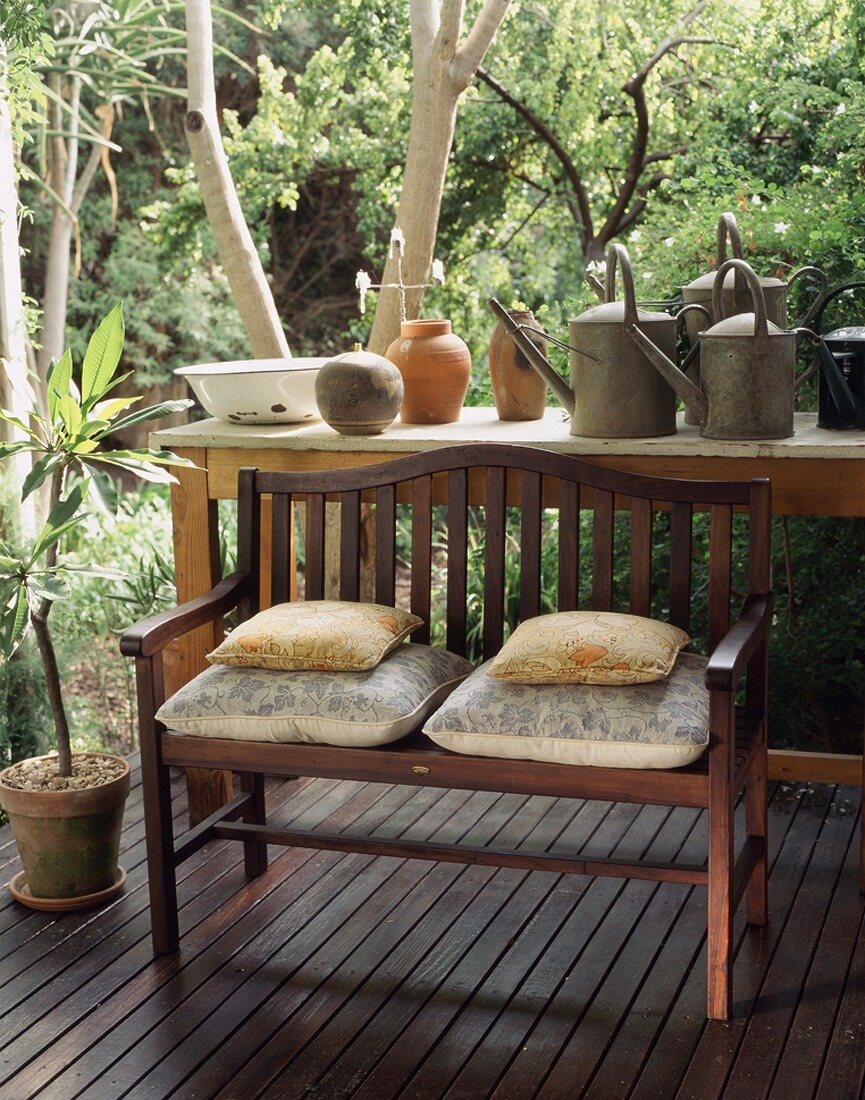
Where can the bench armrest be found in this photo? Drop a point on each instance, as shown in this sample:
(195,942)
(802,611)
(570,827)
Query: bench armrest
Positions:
(148,637)
(730,657)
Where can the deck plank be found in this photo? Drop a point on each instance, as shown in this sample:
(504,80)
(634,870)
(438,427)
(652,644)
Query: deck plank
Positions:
(343,975)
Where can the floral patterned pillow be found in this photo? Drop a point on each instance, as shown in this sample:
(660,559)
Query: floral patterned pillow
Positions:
(317,635)
(589,647)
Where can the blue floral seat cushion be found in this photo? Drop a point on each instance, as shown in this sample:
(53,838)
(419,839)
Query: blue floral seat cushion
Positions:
(663,724)
(368,708)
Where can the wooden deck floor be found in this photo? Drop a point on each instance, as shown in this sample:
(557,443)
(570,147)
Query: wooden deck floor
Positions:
(335,976)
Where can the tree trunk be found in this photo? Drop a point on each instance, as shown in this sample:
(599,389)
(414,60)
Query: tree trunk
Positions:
(443,67)
(237,252)
(64,168)
(433,118)
(15,392)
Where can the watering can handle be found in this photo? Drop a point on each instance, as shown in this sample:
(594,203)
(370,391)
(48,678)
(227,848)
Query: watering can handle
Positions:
(816,307)
(618,256)
(817,319)
(761,327)
(728,229)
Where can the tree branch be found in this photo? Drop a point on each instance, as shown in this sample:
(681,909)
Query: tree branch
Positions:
(471,53)
(549,138)
(450,28)
(635,88)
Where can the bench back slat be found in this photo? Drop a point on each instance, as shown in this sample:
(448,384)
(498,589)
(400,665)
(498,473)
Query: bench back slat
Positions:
(681,527)
(314,576)
(280,552)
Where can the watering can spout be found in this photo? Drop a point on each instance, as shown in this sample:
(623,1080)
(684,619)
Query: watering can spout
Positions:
(539,361)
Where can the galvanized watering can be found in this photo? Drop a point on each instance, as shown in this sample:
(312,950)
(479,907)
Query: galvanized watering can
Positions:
(748,368)
(735,295)
(617,390)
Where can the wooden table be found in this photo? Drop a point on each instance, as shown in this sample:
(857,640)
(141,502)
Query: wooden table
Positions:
(814,473)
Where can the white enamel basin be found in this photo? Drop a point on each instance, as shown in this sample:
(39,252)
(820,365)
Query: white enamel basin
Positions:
(256,391)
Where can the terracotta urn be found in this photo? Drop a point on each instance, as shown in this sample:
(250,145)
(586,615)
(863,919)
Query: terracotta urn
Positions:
(359,393)
(519,392)
(435,366)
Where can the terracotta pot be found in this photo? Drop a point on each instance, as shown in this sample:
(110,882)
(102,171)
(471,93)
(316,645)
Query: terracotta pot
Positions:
(436,367)
(68,840)
(519,392)
(359,393)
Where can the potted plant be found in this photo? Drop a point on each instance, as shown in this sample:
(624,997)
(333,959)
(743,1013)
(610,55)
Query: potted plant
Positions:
(66,810)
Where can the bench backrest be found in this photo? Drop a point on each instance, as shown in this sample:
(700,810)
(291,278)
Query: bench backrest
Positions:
(478,483)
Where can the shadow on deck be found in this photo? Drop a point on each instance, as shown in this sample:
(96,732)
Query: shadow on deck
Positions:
(344,975)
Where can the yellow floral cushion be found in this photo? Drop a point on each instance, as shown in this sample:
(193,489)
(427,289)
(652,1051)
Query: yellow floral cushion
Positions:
(589,647)
(317,635)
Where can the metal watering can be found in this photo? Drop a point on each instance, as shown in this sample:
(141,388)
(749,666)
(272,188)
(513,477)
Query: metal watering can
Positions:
(617,391)
(735,295)
(841,354)
(747,366)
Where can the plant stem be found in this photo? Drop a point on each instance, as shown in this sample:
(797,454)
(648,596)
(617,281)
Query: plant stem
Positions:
(55,694)
(47,651)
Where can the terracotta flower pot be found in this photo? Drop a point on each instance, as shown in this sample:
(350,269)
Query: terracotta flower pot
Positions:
(68,840)
(519,392)
(436,367)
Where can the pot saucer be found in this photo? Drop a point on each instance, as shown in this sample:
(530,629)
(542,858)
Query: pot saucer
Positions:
(19,890)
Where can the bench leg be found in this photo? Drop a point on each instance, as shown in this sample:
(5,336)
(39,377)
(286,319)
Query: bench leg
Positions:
(719,987)
(254,851)
(159,833)
(756,823)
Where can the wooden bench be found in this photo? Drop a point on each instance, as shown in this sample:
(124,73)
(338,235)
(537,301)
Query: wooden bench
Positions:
(506,475)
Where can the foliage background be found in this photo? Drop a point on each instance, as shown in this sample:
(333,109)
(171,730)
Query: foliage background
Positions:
(765,119)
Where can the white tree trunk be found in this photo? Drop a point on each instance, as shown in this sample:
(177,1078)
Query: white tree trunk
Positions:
(442,70)
(16,394)
(237,253)
(55,298)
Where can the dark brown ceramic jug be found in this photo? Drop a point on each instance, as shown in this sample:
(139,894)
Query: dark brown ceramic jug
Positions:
(519,392)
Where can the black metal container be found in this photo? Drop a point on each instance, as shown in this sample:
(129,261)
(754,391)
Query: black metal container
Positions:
(842,374)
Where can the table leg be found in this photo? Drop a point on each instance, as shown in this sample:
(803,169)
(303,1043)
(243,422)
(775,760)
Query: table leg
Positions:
(196,564)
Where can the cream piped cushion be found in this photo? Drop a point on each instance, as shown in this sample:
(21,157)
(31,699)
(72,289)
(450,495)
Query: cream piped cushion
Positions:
(328,708)
(336,635)
(589,647)
(663,724)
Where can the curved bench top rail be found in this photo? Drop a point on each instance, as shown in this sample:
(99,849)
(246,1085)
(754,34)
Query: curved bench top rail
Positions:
(532,459)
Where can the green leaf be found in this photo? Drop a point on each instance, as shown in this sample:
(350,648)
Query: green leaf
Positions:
(7,450)
(48,586)
(41,470)
(8,418)
(64,515)
(70,414)
(102,355)
(164,408)
(104,410)
(145,470)
(163,458)
(13,622)
(59,381)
